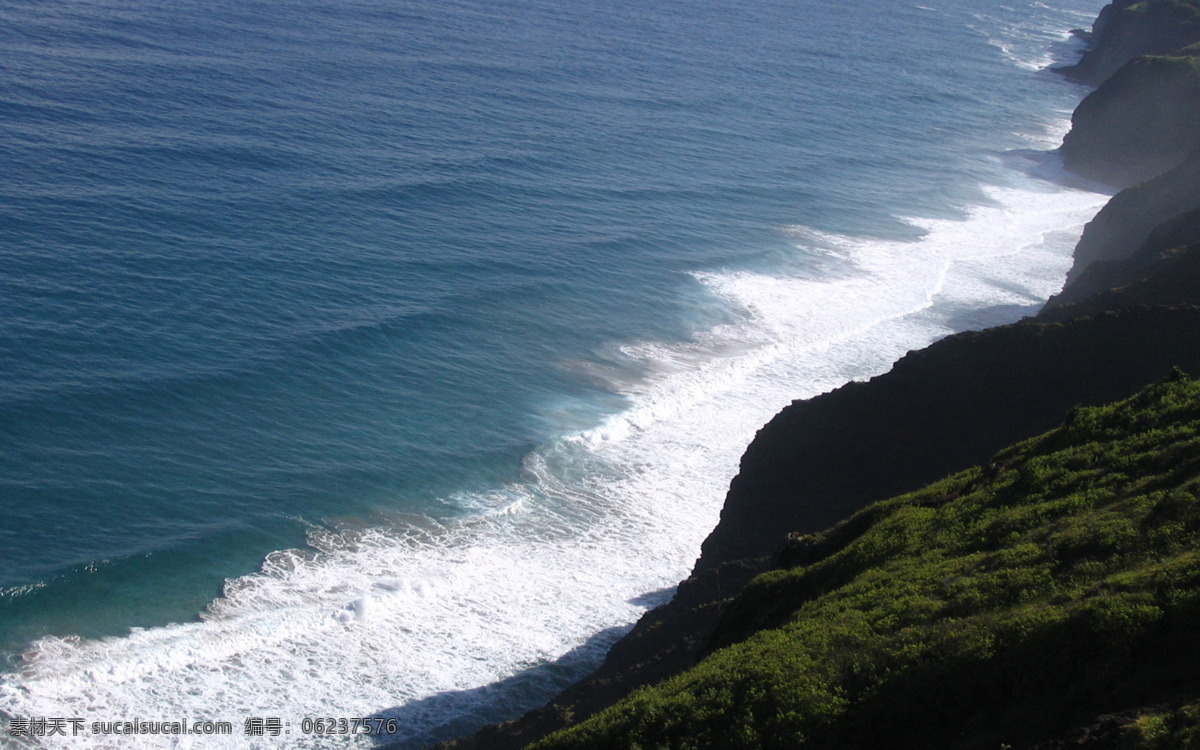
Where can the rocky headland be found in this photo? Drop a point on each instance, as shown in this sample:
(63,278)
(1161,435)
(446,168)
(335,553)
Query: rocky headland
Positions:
(1128,317)
(1138,124)
(1128,29)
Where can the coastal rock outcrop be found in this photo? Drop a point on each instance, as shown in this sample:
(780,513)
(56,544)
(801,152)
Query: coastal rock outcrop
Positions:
(1126,29)
(938,410)
(1165,270)
(1141,122)
(1127,220)
(1003,606)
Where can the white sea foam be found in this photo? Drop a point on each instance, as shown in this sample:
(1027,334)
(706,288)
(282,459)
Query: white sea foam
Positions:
(489,615)
(1036,41)
(492,614)
(414,622)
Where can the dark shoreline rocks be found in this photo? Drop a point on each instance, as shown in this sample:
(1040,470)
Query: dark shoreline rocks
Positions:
(1163,270)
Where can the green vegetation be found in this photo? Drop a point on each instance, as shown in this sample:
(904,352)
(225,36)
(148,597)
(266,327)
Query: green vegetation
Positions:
(1171,729)
(1000,607)
(1185,65)
(1183,12)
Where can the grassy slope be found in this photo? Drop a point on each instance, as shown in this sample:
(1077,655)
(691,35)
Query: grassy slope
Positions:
(1184,12)
(998,607)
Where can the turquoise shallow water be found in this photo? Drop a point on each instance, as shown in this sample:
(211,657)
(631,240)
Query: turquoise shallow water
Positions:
(295,295)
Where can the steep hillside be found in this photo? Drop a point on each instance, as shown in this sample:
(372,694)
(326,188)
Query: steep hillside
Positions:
(998,608)
(1139,123)
(939,410)
(1126,29)
(1165,270)
(1130,313)
(1126,222)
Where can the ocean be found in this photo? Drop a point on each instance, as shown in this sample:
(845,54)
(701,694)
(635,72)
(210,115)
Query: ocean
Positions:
(388,359)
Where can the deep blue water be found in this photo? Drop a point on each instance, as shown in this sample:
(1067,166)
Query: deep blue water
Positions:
(303,279)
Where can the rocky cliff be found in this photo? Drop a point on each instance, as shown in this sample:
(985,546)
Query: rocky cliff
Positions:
(1126,29)
(1164,270)
(1000,607)
(1141,122)
(1130,314)
(1126,221)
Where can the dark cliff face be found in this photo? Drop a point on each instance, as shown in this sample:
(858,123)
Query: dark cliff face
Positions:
(1121,227)
(1141,122)
(1164,270)
(1126,29)
(1002,606)
(938,410)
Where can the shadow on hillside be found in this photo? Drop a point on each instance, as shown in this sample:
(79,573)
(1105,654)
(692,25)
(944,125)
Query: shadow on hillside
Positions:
(988,317)
(1046,165)
(460,713)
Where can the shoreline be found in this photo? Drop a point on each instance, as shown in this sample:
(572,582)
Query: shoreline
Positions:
(364,607)
(1108,358)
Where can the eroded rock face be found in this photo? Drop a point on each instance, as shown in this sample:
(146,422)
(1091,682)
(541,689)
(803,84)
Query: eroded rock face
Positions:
(1125,223)
(938,410)
(1126,29)
(1140,123)
(1165,270)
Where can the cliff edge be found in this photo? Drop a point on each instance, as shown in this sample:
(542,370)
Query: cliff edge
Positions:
(1126,29)
(1128,219)
(1000,607)
(1130,315)
(1140,123)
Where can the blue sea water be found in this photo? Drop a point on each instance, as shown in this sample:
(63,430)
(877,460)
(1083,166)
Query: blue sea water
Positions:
(390,358)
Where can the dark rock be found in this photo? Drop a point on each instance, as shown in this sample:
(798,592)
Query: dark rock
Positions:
(939,410)
(1138,124)
(1179,284)
(1125,223)
(1126,29)
(1164,271)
